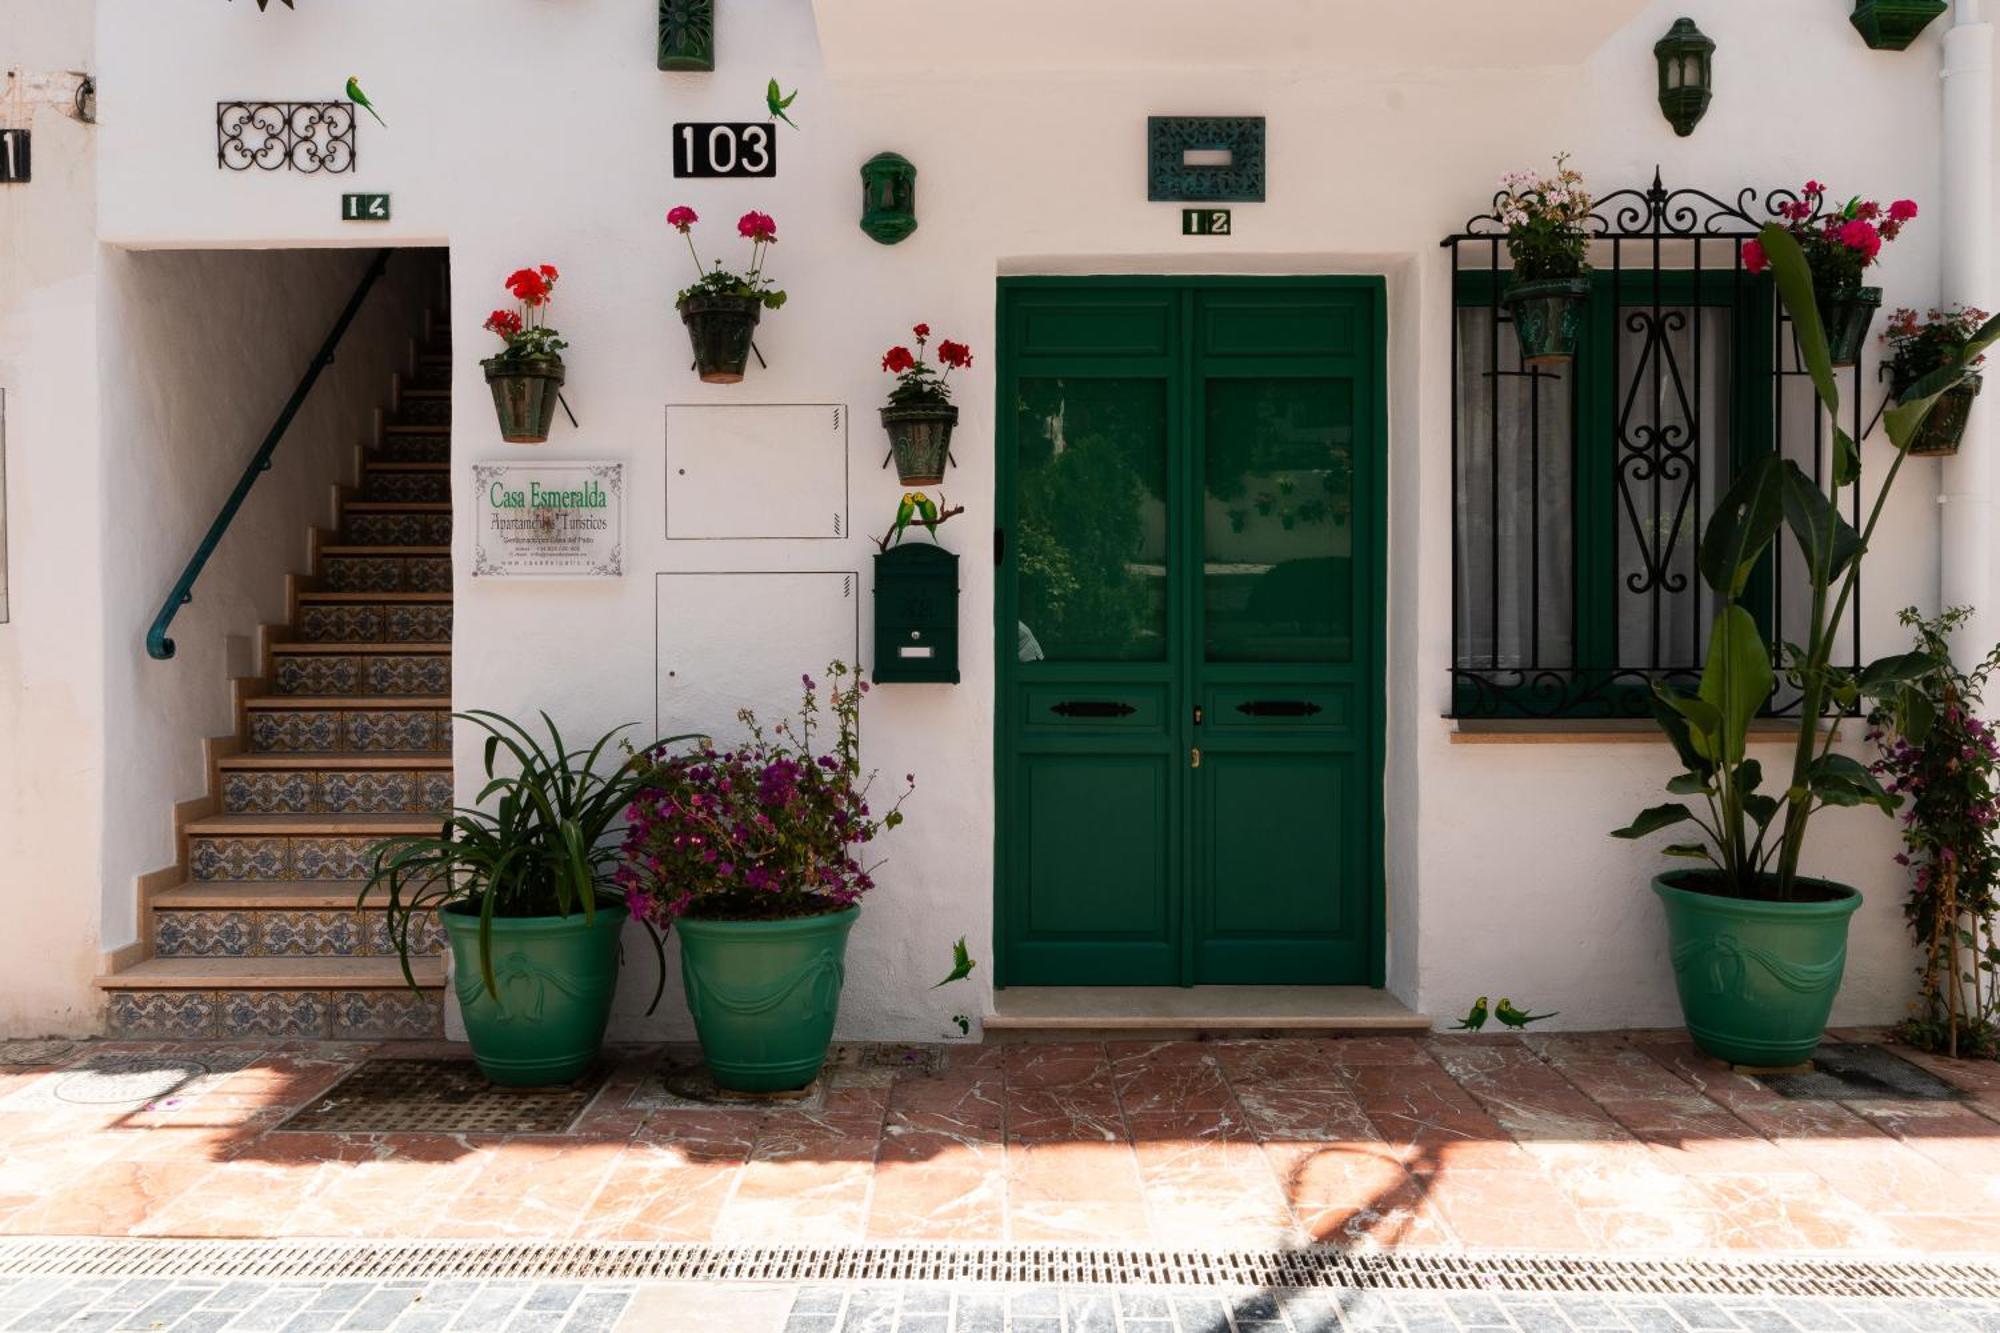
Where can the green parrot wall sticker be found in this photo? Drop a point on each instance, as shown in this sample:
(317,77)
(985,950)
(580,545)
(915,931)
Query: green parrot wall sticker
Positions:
(777,100)
(1473,1020)
(1516,1018)
(360,99)
(961,963)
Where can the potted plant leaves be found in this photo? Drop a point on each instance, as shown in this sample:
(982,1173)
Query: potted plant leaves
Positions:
(1547,220)
(1919,346)
(1840,246)
(524,886)
(754,856)
(1757,947)
(920,415)
(527,374)
(721,309)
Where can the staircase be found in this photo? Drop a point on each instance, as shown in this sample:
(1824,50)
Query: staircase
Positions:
(344,739)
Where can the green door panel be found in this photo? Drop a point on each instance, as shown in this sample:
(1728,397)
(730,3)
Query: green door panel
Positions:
(1189,613)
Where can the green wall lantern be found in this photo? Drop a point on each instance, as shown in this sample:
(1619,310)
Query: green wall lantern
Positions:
(687,34)
(888,197)
(1891,25)
(1686,75)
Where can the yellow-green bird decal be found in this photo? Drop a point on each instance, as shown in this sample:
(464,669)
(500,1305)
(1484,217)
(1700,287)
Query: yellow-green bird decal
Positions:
(1515,1018)
(360,99)
(904,513)
(961,964)
(927,512)
(777,100)
(1474,1020)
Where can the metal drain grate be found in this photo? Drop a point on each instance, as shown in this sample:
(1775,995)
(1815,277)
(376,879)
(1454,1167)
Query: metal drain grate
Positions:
(1846,1071)
(440,1097)
(1396,1270)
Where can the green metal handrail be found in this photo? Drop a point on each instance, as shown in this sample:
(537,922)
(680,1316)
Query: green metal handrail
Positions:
(158,645)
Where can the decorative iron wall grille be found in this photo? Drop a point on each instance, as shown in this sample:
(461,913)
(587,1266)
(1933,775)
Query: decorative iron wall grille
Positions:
(285,136)
(1579,494)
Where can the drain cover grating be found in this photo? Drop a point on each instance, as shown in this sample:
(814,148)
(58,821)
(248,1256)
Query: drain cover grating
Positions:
(1359,1270)
(34,1050)
(1857,1071)
(440,1097)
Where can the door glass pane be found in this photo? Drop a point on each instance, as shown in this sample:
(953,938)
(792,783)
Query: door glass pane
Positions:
(1278,520)
(1090,539)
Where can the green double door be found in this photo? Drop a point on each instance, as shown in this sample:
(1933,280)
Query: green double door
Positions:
(1190,622)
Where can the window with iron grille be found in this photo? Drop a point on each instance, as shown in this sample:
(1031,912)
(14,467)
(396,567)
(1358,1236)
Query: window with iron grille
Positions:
(1579,493)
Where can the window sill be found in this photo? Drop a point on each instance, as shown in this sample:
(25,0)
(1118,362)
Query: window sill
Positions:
(1593,731)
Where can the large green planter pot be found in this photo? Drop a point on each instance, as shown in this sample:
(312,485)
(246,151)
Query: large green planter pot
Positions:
(1944,427)
(1549,317)
(920,439)
(720,329)
(556,976)
(1756,979)
(524,396)
(764,995)
(1846,319)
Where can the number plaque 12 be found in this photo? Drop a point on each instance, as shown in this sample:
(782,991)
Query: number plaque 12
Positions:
(748,148)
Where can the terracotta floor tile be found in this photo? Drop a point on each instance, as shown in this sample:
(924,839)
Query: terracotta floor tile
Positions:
(1359,1052)
(111,1199)
(1304,1113)
(1180,1087)
(1777,1211)
(247,1197)
(530,1188)
(940,1187)
(972,1096)
(404,1187)
(1079,1193)
(803,1200)
(1354,1194)
(656,1194)
(1085,1113)
(1056,1064)
(1511,1208)
(1283,1063)
(703,1135)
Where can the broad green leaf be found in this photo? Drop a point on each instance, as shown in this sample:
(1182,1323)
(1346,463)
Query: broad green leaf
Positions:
(1846,459)
(1654,818)
(1827,540)
(1736,680)
(1916,714)
(1795,289)
(1692,850)
(1749,776)
(1897,669)
(1744,521)
(1676,727)
(1839,779)
(1688,784)
(1761,809)
(1702,719)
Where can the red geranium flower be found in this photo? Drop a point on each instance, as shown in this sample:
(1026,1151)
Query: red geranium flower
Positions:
(1754,258)
(503,322)
(528,286)
(922,331)
(680,217)
(1862,236)
(549,271)
(757,226)
(957,355)
(1903,210)
(898,360)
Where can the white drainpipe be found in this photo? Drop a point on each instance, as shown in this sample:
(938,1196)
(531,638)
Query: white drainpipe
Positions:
(1967,545)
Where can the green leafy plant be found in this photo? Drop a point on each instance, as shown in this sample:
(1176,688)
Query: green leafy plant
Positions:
(1944,761)
(1547,220)
(1753,838)
(525,329)
(1919,346)
(918,382)
(757,228)
(541,840)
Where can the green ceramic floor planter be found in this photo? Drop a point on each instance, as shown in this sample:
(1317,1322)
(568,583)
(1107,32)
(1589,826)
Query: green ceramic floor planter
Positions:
(1549,316)
(556,975)
(524,396)
(764,995)
(1756,979)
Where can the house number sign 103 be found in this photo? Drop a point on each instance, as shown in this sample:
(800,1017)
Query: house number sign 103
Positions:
(737,149)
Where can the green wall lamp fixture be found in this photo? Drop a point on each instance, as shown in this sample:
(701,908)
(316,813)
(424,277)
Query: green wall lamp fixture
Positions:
(888,197)
(1686,75)
(687,35)
(1891,25)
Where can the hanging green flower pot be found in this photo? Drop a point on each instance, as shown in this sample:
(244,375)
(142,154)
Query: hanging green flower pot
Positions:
(764,995)
(920,438)
(1756,978)
(1549,316)
(1944,428)
(524,395)
(556,976)
(721,327)
(1846,318)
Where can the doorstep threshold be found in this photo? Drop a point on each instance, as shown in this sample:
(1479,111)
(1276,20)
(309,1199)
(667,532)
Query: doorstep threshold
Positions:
(1323,1010)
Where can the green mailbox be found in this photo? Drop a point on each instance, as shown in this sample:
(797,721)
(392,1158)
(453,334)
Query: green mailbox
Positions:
(916,614)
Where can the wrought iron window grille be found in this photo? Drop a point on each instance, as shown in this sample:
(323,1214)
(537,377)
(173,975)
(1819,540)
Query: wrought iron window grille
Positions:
(1579,494)
(285,136)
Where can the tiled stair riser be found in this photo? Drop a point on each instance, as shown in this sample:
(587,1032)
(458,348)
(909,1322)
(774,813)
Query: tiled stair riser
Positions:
(273,932)
(374,622)
(361,673)
(307,858)
(385,573)
(411,447)
(235,1014)
(396,530)
(296,731)
(418,408)
(405,487)
(335,791)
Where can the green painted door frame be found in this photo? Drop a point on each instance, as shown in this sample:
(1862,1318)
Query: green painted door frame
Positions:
(1189,782)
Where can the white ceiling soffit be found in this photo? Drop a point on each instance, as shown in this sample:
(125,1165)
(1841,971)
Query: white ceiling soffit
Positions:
(920,36)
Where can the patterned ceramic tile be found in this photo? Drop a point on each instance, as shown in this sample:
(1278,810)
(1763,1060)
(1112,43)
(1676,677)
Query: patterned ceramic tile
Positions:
(405,487)
(415,449)
(427,573)
(416,673)
(368,793)
(211,859)
(339,623)
(421,623)
(397,530)
(435,794)
(423,410)
(291,730)
(162,1013)
(202,934)
(274,1013)
(310,934)
(362,573)
(258,793)
(332,858)
(317,673)
(386,1013)
(396,729)
(427,935)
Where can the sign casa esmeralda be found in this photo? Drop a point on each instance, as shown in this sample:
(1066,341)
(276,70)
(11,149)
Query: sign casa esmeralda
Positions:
(549,520)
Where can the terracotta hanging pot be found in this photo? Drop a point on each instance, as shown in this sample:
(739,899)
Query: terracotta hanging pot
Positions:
(1549,316)
(920,438)
(524,395)
(720,328)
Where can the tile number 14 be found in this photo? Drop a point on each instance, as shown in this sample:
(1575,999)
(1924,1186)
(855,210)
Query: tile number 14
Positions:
(364,208)
(1205,222)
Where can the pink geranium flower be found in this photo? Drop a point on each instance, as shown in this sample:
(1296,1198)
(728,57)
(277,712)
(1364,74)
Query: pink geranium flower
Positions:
(757,227)
(1754,258)
(1862,237)
(680,217)
(1903,210)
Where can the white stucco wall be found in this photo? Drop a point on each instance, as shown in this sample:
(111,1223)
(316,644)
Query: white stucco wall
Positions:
(527,131)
